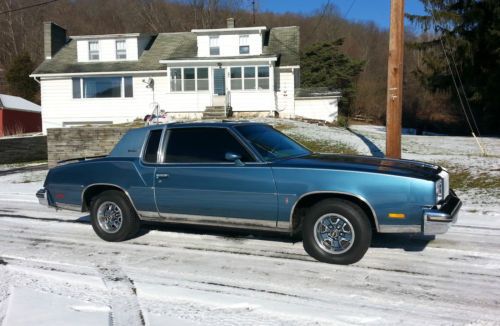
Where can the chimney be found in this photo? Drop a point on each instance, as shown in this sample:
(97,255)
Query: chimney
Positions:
(54,38)
(230,22)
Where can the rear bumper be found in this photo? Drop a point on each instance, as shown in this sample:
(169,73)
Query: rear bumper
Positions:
(438,221)
(42,197)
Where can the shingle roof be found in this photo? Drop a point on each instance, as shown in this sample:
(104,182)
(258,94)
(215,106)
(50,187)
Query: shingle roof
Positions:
(282,41)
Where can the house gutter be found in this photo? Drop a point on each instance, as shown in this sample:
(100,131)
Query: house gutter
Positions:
(120,73)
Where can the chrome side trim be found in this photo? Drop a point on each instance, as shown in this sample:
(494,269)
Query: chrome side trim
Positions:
(106,184)
(69,207)
(400,229)
(334,193)
(230,222)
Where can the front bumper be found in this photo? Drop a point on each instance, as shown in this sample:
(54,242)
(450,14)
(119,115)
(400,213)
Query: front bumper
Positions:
(438,220)
(42,197)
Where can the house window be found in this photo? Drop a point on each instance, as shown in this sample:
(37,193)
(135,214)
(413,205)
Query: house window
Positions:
(202,79)
(236,83)
(93,50)
(244,45)
(176,80)
(263,77)
(102,87)
(214,45)
(249,78)
(188,79)
(121,50)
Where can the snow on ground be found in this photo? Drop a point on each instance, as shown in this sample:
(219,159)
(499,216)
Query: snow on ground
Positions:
(55,271)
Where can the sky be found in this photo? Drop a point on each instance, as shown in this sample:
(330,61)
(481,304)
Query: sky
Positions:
(377,11)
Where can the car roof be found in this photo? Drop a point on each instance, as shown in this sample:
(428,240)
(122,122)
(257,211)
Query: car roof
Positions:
(208,123)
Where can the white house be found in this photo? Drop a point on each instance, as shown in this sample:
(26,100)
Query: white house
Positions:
(102,79)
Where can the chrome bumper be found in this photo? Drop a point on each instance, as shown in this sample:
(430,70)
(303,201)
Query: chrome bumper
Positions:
(42,197)
(438,221)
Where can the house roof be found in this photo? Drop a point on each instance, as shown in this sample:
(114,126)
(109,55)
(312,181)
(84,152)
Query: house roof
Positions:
(280,41)
(18,104)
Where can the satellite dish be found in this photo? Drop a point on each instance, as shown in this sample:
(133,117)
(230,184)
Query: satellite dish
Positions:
(150,82)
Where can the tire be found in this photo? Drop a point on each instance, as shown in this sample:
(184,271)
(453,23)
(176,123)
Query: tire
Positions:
(346,232)
(110,227)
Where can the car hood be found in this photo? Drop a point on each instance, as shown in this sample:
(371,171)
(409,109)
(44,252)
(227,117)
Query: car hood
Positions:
(407,168)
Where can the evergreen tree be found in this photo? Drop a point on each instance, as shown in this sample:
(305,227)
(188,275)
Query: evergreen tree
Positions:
(469,32)
(324,65)
(18,79)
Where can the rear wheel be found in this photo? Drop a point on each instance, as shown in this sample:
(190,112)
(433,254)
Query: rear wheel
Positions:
(113,217)
(336,231)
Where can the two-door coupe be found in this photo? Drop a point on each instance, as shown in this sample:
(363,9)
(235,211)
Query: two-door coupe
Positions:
(249,175)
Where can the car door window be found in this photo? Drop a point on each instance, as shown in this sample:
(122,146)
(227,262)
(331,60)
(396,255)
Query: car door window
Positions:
(151,151)
(202,145)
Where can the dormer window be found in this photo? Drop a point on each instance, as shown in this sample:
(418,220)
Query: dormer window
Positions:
(93,50)
(244,45)
(214,45)
(121,50)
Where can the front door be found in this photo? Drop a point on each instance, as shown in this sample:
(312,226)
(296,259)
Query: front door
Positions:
(219,81)
(197,182)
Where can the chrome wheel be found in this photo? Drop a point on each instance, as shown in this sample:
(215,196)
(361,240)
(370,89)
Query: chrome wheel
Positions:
(109,217)
(334,233)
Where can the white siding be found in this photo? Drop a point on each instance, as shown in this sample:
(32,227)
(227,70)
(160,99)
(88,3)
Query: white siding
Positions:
(317,108)
(285,92)
(59,106)
(229,44)
(107,49)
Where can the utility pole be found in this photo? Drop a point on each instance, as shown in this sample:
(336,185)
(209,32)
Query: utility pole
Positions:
(395,80)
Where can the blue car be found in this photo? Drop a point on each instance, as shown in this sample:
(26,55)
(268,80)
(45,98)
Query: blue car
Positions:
(249,175)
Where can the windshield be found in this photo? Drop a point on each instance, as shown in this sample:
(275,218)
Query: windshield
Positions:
(270,143)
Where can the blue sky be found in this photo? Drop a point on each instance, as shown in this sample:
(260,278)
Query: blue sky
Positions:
(362,10)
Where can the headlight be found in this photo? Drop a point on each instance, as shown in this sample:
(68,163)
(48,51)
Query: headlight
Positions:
(439,190)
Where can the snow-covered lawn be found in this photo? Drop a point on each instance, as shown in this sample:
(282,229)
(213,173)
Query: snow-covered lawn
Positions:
(55,271)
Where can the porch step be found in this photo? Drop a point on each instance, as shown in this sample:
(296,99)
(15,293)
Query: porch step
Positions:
(214,112)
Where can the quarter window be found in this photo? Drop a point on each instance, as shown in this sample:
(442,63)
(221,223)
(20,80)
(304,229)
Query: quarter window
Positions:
(121,50)
(151,152)
(203,145)
(93,50)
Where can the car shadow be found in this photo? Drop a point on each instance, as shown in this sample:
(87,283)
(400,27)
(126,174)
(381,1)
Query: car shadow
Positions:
(374,150)
(407,242)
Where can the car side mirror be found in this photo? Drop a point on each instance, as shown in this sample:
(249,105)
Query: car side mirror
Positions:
(232,157)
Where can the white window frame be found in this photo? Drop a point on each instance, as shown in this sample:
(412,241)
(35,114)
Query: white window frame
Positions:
(122,89)
(181,80)
(122,51)
(92,52)
(213,45)
(256,79)
(244,42)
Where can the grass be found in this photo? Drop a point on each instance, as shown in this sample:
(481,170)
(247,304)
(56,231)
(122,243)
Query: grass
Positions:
(462,178)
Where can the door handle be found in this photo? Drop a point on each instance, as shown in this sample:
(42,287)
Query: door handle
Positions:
(162,175)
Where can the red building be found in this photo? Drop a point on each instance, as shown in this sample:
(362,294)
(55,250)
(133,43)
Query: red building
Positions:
(18,116)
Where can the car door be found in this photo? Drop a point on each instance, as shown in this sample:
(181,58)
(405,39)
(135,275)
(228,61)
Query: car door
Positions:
(196,183)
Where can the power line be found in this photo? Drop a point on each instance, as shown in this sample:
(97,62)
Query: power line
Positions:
(27,7)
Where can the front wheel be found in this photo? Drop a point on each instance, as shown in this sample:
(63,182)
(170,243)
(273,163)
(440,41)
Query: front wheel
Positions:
(113,217)
(336,231)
